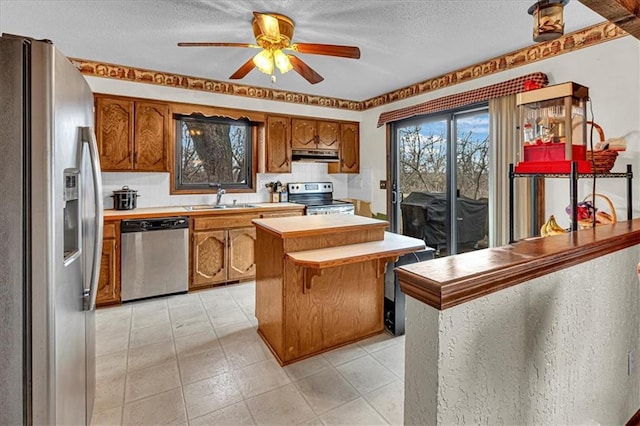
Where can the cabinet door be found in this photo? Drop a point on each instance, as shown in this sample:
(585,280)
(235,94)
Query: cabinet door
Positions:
(109,281)
(303,134)
(114,133)
(151,136)
(241,253)
(328,135)
(209,258)
(278,145)
(349,148)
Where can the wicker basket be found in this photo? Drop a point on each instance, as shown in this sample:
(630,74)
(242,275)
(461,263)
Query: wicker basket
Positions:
(601,218)
(604,160)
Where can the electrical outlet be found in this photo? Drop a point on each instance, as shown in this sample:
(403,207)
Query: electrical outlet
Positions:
(383,184)
(631,362)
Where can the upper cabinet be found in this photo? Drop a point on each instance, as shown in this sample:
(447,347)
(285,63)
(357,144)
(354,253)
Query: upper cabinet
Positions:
(314,134)
(303,133)
(278,144)
(328,136)
(114,132)
(132,135)
(152,125)
(284,134)
(349,150)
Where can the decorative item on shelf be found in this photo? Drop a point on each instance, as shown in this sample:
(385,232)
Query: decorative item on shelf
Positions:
(587,212)
(551,227)
(546,119)
(602,159)
(275,188)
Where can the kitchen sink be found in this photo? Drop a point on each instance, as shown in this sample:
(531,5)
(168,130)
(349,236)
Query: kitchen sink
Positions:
(218,207)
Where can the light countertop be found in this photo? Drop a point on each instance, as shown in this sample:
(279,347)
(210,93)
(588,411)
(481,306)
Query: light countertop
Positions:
(392,245)
(147,212)
(288,227)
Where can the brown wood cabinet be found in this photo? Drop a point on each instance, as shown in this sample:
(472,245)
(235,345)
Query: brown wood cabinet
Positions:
(328,135)
(114,132)
(349,150)
(109,282)
(152,125)
(314,134)
(132,135)
(222,248)
(242,261)
(320,284)
(209,250)
(278,144)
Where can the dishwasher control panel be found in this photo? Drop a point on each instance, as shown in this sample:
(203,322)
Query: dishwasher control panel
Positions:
(154,224)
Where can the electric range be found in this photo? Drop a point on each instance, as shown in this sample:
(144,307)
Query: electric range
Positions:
(318,198)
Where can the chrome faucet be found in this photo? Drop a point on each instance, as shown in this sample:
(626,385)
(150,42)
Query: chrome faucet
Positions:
(219,194)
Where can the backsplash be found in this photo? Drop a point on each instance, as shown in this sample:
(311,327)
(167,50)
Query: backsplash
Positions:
(153,188)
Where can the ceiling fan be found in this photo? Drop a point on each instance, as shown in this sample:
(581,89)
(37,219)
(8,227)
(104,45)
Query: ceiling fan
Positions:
(273,34)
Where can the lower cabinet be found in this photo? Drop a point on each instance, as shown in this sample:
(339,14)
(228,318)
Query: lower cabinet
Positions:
(109,282)
(222,255)
(242,260)
(222,247)
(222,250)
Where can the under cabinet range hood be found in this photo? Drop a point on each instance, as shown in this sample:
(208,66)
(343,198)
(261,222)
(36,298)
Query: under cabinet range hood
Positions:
(315,155)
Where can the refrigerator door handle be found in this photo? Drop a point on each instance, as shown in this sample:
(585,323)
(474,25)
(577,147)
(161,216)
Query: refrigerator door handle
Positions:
(89,137)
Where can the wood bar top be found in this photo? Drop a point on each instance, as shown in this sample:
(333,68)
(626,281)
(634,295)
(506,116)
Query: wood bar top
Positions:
(393,245)
(292,227)
(450,281)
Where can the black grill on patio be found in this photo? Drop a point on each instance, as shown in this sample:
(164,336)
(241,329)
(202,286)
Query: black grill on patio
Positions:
(424,216)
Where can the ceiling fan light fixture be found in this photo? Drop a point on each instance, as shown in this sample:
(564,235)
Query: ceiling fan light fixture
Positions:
(264,62)
(282,61)
(548,20)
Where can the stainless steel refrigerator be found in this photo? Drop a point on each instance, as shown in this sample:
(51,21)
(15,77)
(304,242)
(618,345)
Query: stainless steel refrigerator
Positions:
(51,237)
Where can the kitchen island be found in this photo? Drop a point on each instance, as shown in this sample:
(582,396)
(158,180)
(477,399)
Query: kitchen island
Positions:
(320,281)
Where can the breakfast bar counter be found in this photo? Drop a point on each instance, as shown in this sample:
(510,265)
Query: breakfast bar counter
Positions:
(320,281)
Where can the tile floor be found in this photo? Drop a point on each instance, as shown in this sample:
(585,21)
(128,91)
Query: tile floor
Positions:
(196,359)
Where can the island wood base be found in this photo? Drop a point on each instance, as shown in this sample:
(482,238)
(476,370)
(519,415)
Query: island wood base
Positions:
(323,288)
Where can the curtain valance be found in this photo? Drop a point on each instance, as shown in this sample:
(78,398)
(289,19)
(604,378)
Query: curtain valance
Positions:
(481,94)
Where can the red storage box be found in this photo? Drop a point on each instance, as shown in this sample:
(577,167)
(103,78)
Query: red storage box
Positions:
(553,152)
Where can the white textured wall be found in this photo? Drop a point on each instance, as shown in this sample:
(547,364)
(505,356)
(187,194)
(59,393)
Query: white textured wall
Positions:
(154,187)
(611,70)
(552,350)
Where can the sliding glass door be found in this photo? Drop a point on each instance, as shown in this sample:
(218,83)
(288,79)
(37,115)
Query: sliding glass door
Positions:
(439,180)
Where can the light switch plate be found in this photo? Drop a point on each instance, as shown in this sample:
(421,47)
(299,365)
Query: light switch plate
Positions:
(383,184)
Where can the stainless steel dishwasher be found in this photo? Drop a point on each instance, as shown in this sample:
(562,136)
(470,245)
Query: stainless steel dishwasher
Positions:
(154,257)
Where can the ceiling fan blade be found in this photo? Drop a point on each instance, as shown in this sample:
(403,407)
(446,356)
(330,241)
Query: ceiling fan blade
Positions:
(207,44)
(327,49)
(305,70)
(269,25)
(243,70)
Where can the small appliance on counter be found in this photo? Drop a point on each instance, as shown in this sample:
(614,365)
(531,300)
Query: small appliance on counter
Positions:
(125,198)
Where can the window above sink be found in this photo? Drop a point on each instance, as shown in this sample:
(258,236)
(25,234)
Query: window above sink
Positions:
(213,149)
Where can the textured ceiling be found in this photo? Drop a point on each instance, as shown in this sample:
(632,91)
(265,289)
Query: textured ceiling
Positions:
(401,42)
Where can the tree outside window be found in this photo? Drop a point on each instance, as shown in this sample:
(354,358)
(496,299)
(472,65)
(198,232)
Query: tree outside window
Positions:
(213,150)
